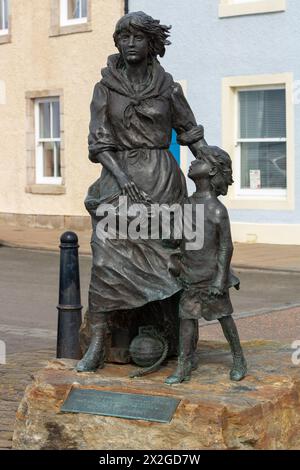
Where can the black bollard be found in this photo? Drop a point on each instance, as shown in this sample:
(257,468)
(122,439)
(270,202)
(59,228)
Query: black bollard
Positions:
(69,307)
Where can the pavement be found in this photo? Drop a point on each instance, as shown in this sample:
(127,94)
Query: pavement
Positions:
(269,309)
(284,258)
(14,377)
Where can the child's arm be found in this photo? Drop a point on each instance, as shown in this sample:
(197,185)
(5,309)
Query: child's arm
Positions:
(225,250)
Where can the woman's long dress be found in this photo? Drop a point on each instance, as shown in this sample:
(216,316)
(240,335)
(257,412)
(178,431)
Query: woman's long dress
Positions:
(138,127)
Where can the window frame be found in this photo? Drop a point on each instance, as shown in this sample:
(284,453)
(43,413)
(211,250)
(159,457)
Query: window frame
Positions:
(228,8)
(4,32)
(39,176)
(273,199)
(65,21)
(57,29)
(247,192)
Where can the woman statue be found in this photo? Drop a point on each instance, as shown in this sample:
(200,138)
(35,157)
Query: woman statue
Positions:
(134,108)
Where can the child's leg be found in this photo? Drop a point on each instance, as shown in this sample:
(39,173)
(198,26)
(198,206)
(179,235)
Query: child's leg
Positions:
(186,350)
(239,368)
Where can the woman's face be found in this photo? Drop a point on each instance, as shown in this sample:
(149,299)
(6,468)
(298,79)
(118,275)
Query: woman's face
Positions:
(133,46)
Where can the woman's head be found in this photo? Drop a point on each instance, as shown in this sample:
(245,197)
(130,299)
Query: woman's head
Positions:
(156,34)
(214,163)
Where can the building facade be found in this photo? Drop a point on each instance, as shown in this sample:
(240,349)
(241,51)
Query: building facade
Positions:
(239,61)
(51,55)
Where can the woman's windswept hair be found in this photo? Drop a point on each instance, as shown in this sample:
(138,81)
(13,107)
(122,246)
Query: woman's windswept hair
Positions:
(221,161)
(157,33)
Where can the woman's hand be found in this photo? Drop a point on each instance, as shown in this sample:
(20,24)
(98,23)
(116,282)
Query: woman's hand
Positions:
(129,188)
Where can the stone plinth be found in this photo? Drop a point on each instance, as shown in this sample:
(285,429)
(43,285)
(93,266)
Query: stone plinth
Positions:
(261,412)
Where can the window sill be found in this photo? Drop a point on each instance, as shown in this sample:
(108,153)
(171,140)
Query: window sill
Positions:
(70,29)
(259,194)
(5,38)
(233,201)
(227,9)
(73,22)
(51,189)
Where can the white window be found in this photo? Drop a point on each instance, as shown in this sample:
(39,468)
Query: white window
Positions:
(3,16)
(261,142)
(229,8)
(47,127)
(73,12)
(245,1)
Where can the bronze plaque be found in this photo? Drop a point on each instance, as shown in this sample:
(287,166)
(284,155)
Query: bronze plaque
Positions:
(120,405)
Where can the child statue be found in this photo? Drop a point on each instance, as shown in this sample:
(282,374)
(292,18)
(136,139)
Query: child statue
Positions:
(205,273)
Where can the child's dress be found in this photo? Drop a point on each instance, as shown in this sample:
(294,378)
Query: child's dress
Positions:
(201,267)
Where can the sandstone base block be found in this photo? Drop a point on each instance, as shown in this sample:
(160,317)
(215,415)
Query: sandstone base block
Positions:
(260,412)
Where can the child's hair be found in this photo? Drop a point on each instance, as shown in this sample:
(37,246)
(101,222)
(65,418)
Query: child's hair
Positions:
(221,161)
(157,33)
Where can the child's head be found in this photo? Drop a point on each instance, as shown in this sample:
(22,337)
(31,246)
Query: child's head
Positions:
(215,164)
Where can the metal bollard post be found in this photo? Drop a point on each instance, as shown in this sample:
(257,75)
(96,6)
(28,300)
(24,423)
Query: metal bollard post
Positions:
(69,307)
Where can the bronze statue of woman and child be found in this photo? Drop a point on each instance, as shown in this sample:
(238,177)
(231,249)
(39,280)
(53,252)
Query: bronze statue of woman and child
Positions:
(134,108)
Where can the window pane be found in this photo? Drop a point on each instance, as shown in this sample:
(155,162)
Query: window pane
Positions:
(270,161)
(57,154)
(84,8)
(3,14)
(44,112)
(73,9)
(56,120)
(48,159)
(51,159)
(262,114)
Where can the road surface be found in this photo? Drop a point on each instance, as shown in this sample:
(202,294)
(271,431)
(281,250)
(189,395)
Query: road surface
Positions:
(29,295)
